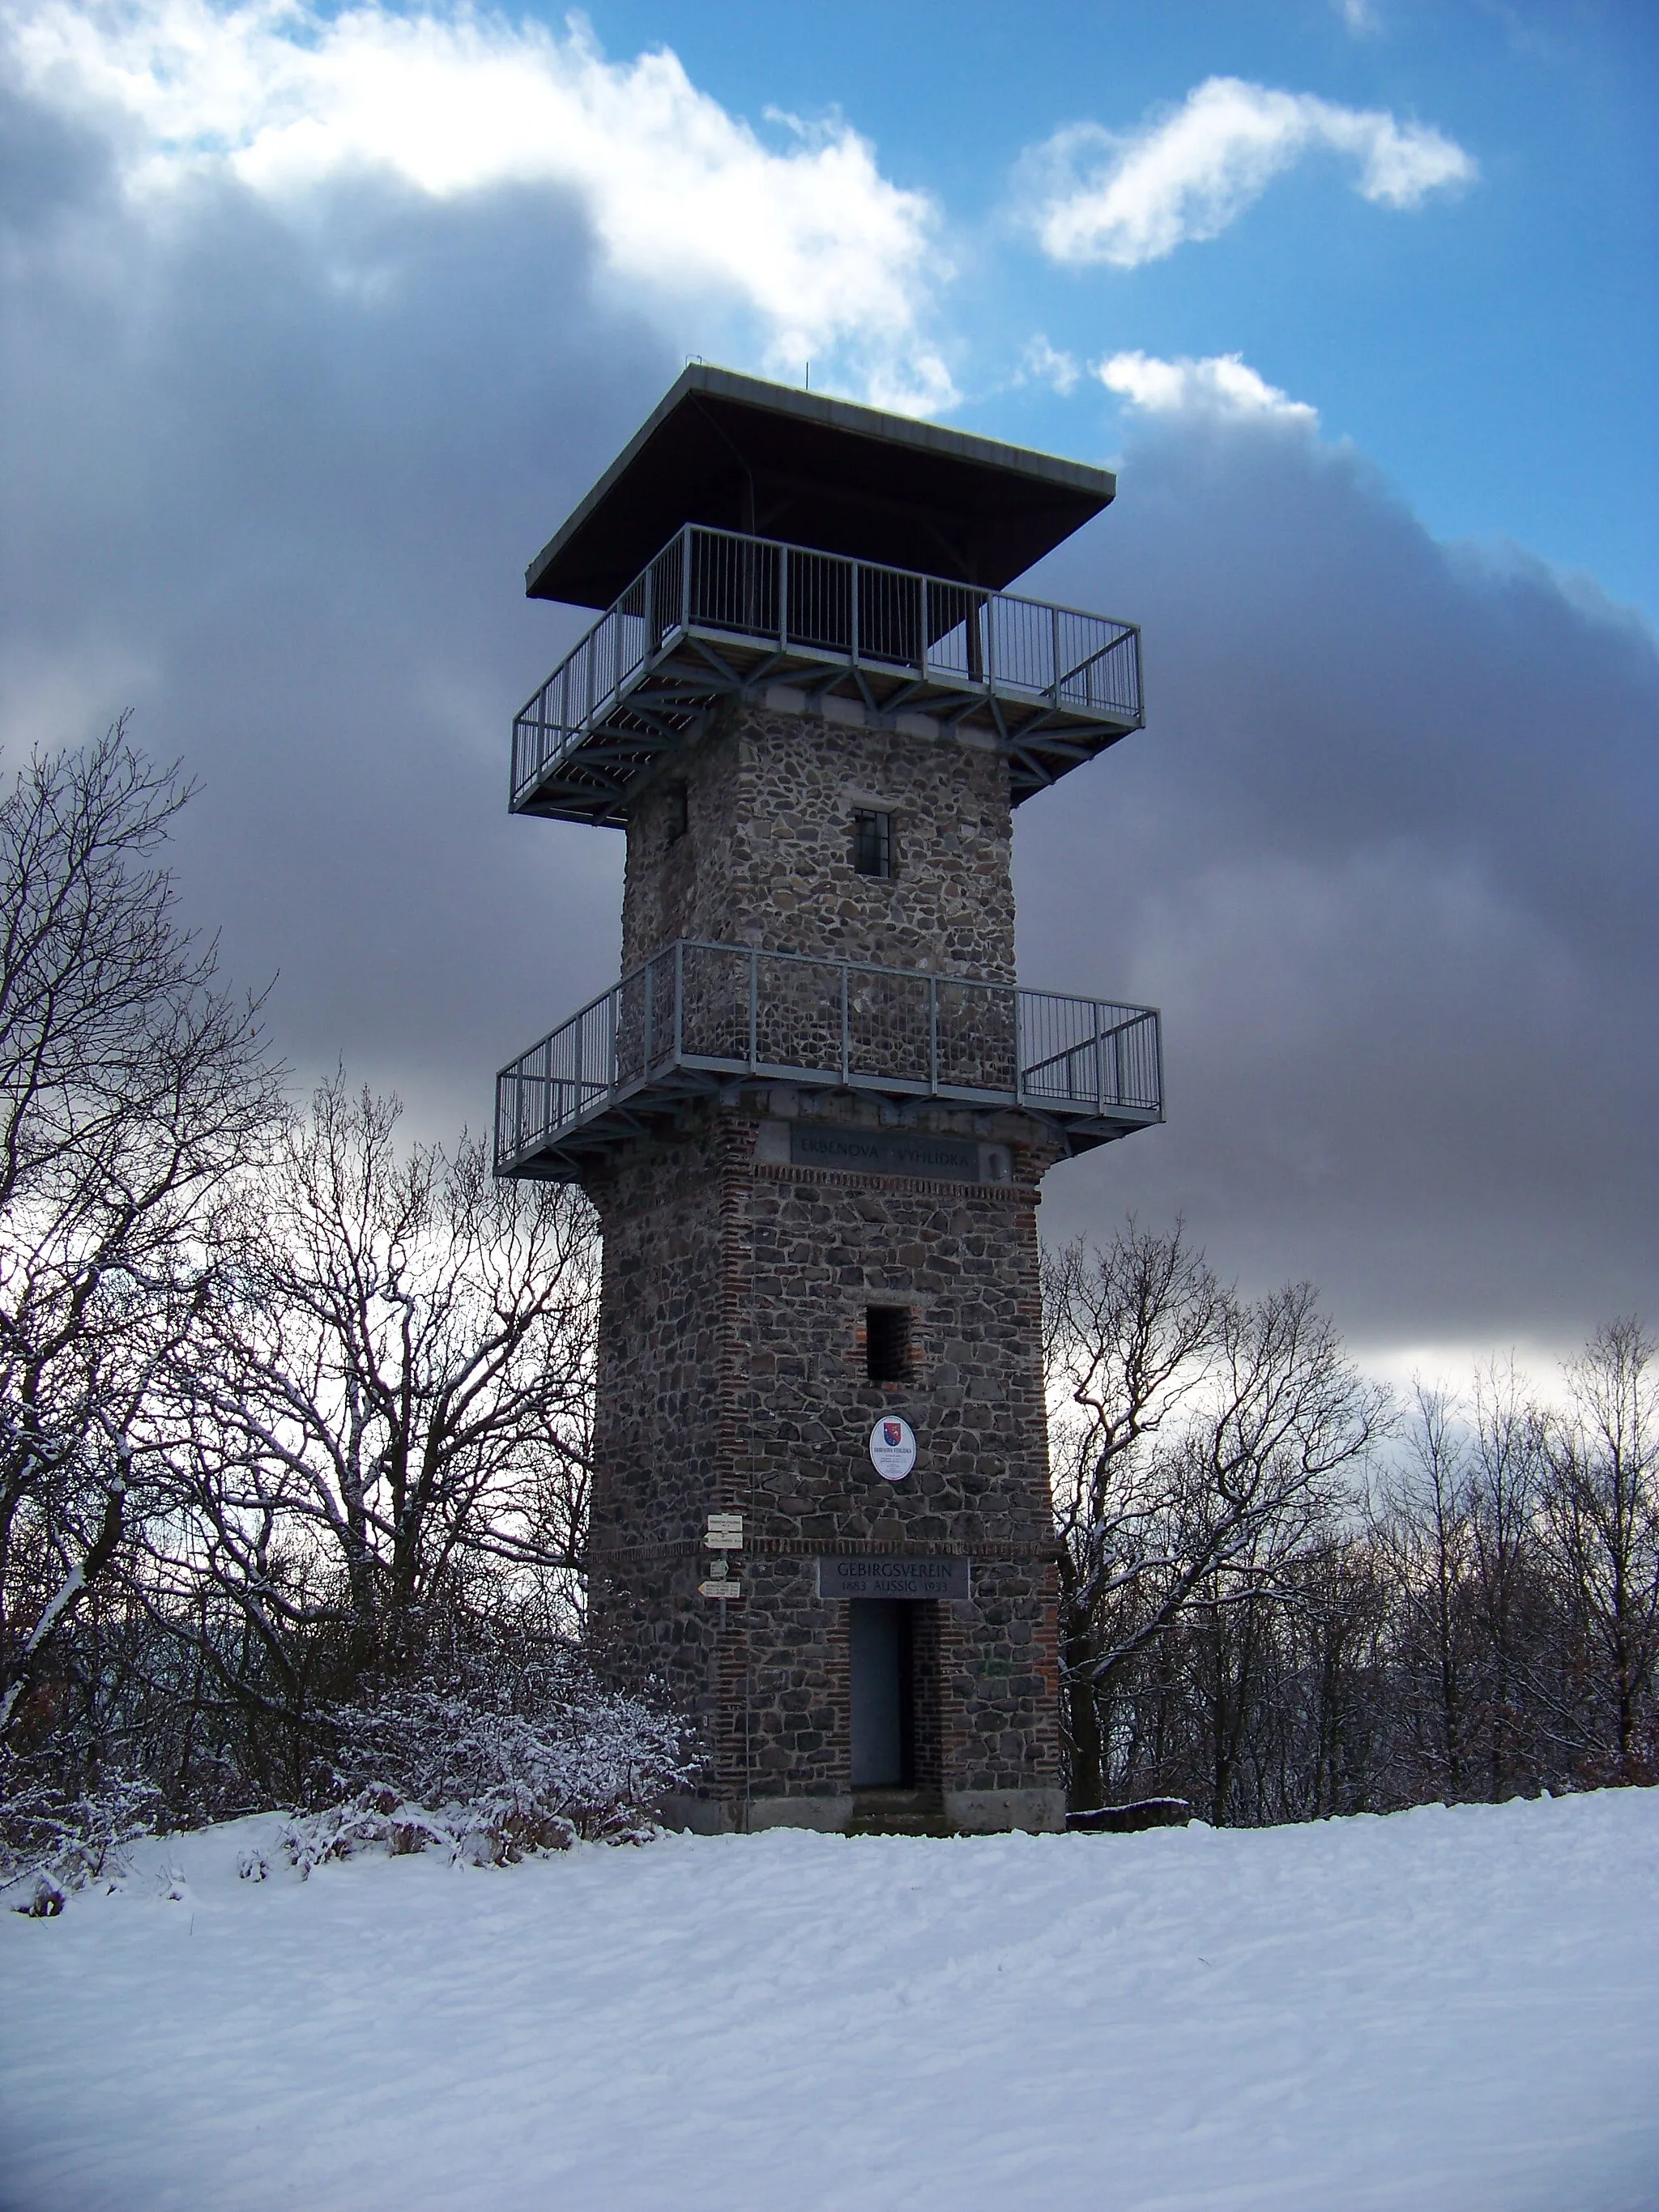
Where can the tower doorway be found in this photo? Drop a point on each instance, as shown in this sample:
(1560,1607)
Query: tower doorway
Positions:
(882,1652)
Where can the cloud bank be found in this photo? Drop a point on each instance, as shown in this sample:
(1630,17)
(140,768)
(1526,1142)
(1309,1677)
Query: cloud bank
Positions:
(1384,856)
(825,256)
(273,460)
(1122,200)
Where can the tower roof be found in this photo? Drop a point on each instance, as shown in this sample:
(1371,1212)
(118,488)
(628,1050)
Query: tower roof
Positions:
(736,453)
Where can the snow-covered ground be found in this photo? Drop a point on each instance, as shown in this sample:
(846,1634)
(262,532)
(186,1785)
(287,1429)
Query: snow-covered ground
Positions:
(1455,2009)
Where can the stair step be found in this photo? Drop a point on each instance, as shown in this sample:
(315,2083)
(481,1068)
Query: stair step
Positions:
(898,1813)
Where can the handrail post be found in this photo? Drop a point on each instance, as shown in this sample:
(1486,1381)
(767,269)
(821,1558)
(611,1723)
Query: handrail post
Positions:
(679,999)
(853,623)
(1100,1067)
(933,1035)
(921,654)
(846,1031)
(783,598)
(1018,997)
(991,641)
(1053,654)
(1121,1062)
(685,576)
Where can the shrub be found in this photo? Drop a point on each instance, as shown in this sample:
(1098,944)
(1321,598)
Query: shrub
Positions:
(488,1769)
(58,1833)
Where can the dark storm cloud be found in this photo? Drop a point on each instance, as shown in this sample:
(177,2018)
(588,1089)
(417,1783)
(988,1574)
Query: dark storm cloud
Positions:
(1385,856)
(274,485)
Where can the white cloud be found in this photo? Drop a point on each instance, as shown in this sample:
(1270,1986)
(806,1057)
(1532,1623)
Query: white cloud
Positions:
(1126,200)
(832,260)
(1219,385)
(1359,16)
(1042,363)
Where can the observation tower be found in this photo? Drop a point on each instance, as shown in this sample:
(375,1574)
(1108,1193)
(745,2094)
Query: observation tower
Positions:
(815,1111)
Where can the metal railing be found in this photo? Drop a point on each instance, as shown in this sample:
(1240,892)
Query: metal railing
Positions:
(925,631)
(718,1012)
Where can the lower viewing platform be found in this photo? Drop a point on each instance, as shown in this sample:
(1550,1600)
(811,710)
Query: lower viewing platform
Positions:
(700,1018)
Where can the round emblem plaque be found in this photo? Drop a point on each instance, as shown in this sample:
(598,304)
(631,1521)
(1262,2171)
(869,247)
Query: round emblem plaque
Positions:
(892,1448)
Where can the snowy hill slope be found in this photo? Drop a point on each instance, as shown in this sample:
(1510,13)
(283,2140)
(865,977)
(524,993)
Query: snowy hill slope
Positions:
(1444,2009)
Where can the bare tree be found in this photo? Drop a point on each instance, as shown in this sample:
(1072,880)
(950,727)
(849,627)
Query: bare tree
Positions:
(1423,1526)
(1202,1463)
(390,1407)
(1515,1702)
(1129,1335)
(1601,1510)
(132,1087)
(1255,1492)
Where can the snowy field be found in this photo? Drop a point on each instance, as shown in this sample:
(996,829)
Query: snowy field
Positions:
(1455,2009)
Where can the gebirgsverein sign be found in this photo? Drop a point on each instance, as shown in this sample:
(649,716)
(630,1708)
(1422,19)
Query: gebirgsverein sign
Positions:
(894,1578)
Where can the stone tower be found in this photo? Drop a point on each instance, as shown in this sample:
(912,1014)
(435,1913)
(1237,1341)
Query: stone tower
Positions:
(815,1112)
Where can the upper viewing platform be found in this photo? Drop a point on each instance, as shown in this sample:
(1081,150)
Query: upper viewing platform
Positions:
(751,537)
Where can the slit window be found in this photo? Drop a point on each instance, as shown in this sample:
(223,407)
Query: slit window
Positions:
(872,842)
(679,815)
(887,1343)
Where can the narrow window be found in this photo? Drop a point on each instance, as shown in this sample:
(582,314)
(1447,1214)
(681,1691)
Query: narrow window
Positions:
(679,819)
(887,1342)
(872,842)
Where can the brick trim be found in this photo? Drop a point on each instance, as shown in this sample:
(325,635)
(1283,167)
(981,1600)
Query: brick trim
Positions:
(853,1547)
(1004,1194)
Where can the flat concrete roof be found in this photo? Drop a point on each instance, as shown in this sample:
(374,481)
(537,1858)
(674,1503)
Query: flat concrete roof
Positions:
(738,453)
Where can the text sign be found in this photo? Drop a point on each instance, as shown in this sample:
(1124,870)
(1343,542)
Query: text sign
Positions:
(892,1448)
(883,1151)
(915,1579)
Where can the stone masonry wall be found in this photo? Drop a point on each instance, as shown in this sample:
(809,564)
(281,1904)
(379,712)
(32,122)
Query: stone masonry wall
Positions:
(732,1370)
(766,857)
(733,1376)
(656,1418)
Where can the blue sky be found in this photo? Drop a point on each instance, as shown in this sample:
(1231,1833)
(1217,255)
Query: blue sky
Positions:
(1495,350)
(317,322)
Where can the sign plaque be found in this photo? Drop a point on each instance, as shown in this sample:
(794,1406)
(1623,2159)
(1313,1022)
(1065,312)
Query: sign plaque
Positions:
(892,1448)
(883,1151)
(894,1578)
(724,1533)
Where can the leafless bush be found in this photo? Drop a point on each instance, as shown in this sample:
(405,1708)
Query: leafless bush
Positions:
(489,1768)
(59,1834)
